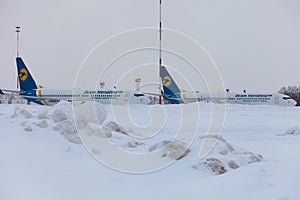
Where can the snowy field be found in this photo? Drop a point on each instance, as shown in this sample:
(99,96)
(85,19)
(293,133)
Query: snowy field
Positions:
(42,156)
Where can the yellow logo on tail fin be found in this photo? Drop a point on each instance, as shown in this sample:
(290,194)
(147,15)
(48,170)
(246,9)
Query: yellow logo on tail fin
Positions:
(23,74)
(167,81)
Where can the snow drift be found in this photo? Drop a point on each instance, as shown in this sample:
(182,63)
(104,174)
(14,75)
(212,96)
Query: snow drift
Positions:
(40,148)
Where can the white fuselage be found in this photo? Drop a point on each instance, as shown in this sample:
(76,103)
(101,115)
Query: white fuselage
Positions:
(242,98)
(104,96)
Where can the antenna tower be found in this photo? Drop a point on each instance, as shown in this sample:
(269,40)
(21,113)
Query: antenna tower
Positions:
(160,51)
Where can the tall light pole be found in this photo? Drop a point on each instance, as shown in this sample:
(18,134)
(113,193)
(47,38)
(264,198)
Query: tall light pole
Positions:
(18,38)
(137,83)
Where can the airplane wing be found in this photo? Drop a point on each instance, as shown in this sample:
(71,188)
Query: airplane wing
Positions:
(57,99)
(21,94)
(163,94)
(12,91)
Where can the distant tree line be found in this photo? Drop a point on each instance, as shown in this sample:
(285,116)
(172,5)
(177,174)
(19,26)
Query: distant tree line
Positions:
(293,92)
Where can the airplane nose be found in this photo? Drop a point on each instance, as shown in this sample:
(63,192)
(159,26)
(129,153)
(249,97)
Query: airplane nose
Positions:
(293,102)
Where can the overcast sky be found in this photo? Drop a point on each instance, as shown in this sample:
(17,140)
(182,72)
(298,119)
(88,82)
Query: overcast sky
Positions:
(255,43)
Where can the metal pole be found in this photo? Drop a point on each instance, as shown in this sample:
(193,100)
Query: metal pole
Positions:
(18,38)
(18,31)
(160,50)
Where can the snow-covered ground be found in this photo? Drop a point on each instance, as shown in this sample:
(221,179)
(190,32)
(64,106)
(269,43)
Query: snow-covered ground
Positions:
(42,156)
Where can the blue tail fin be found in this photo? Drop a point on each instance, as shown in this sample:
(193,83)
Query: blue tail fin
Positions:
(171,91)
(25,79)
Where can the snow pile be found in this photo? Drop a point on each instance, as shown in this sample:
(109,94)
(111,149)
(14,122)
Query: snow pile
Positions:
(68,130)
(176,149)
(88,116)
(95,130)
(134,144)
(92,112)
(58,116)
(173,149)
(21,111)
(64,123)
(87,119)
(225,157)
(42,124)
(113,126)
(32,119)
(62,106)
(28,128)
(25,113)
(91,119)
(215,165)
(43,115)
(292,131)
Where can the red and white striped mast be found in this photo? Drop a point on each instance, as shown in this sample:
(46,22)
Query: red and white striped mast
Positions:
(160,51)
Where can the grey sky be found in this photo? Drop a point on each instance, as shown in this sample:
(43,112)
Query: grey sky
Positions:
(254,43)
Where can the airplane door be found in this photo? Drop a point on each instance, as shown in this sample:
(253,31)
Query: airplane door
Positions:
(276,99)
(127,96)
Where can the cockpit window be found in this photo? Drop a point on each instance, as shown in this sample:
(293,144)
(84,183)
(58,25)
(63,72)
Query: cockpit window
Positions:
(286,98)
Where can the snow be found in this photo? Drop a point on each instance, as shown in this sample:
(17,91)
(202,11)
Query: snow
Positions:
(44,156)
(293,131)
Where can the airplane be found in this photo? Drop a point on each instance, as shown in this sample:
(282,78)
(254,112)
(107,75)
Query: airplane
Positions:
(39,95)
(173,95)
(250,98)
